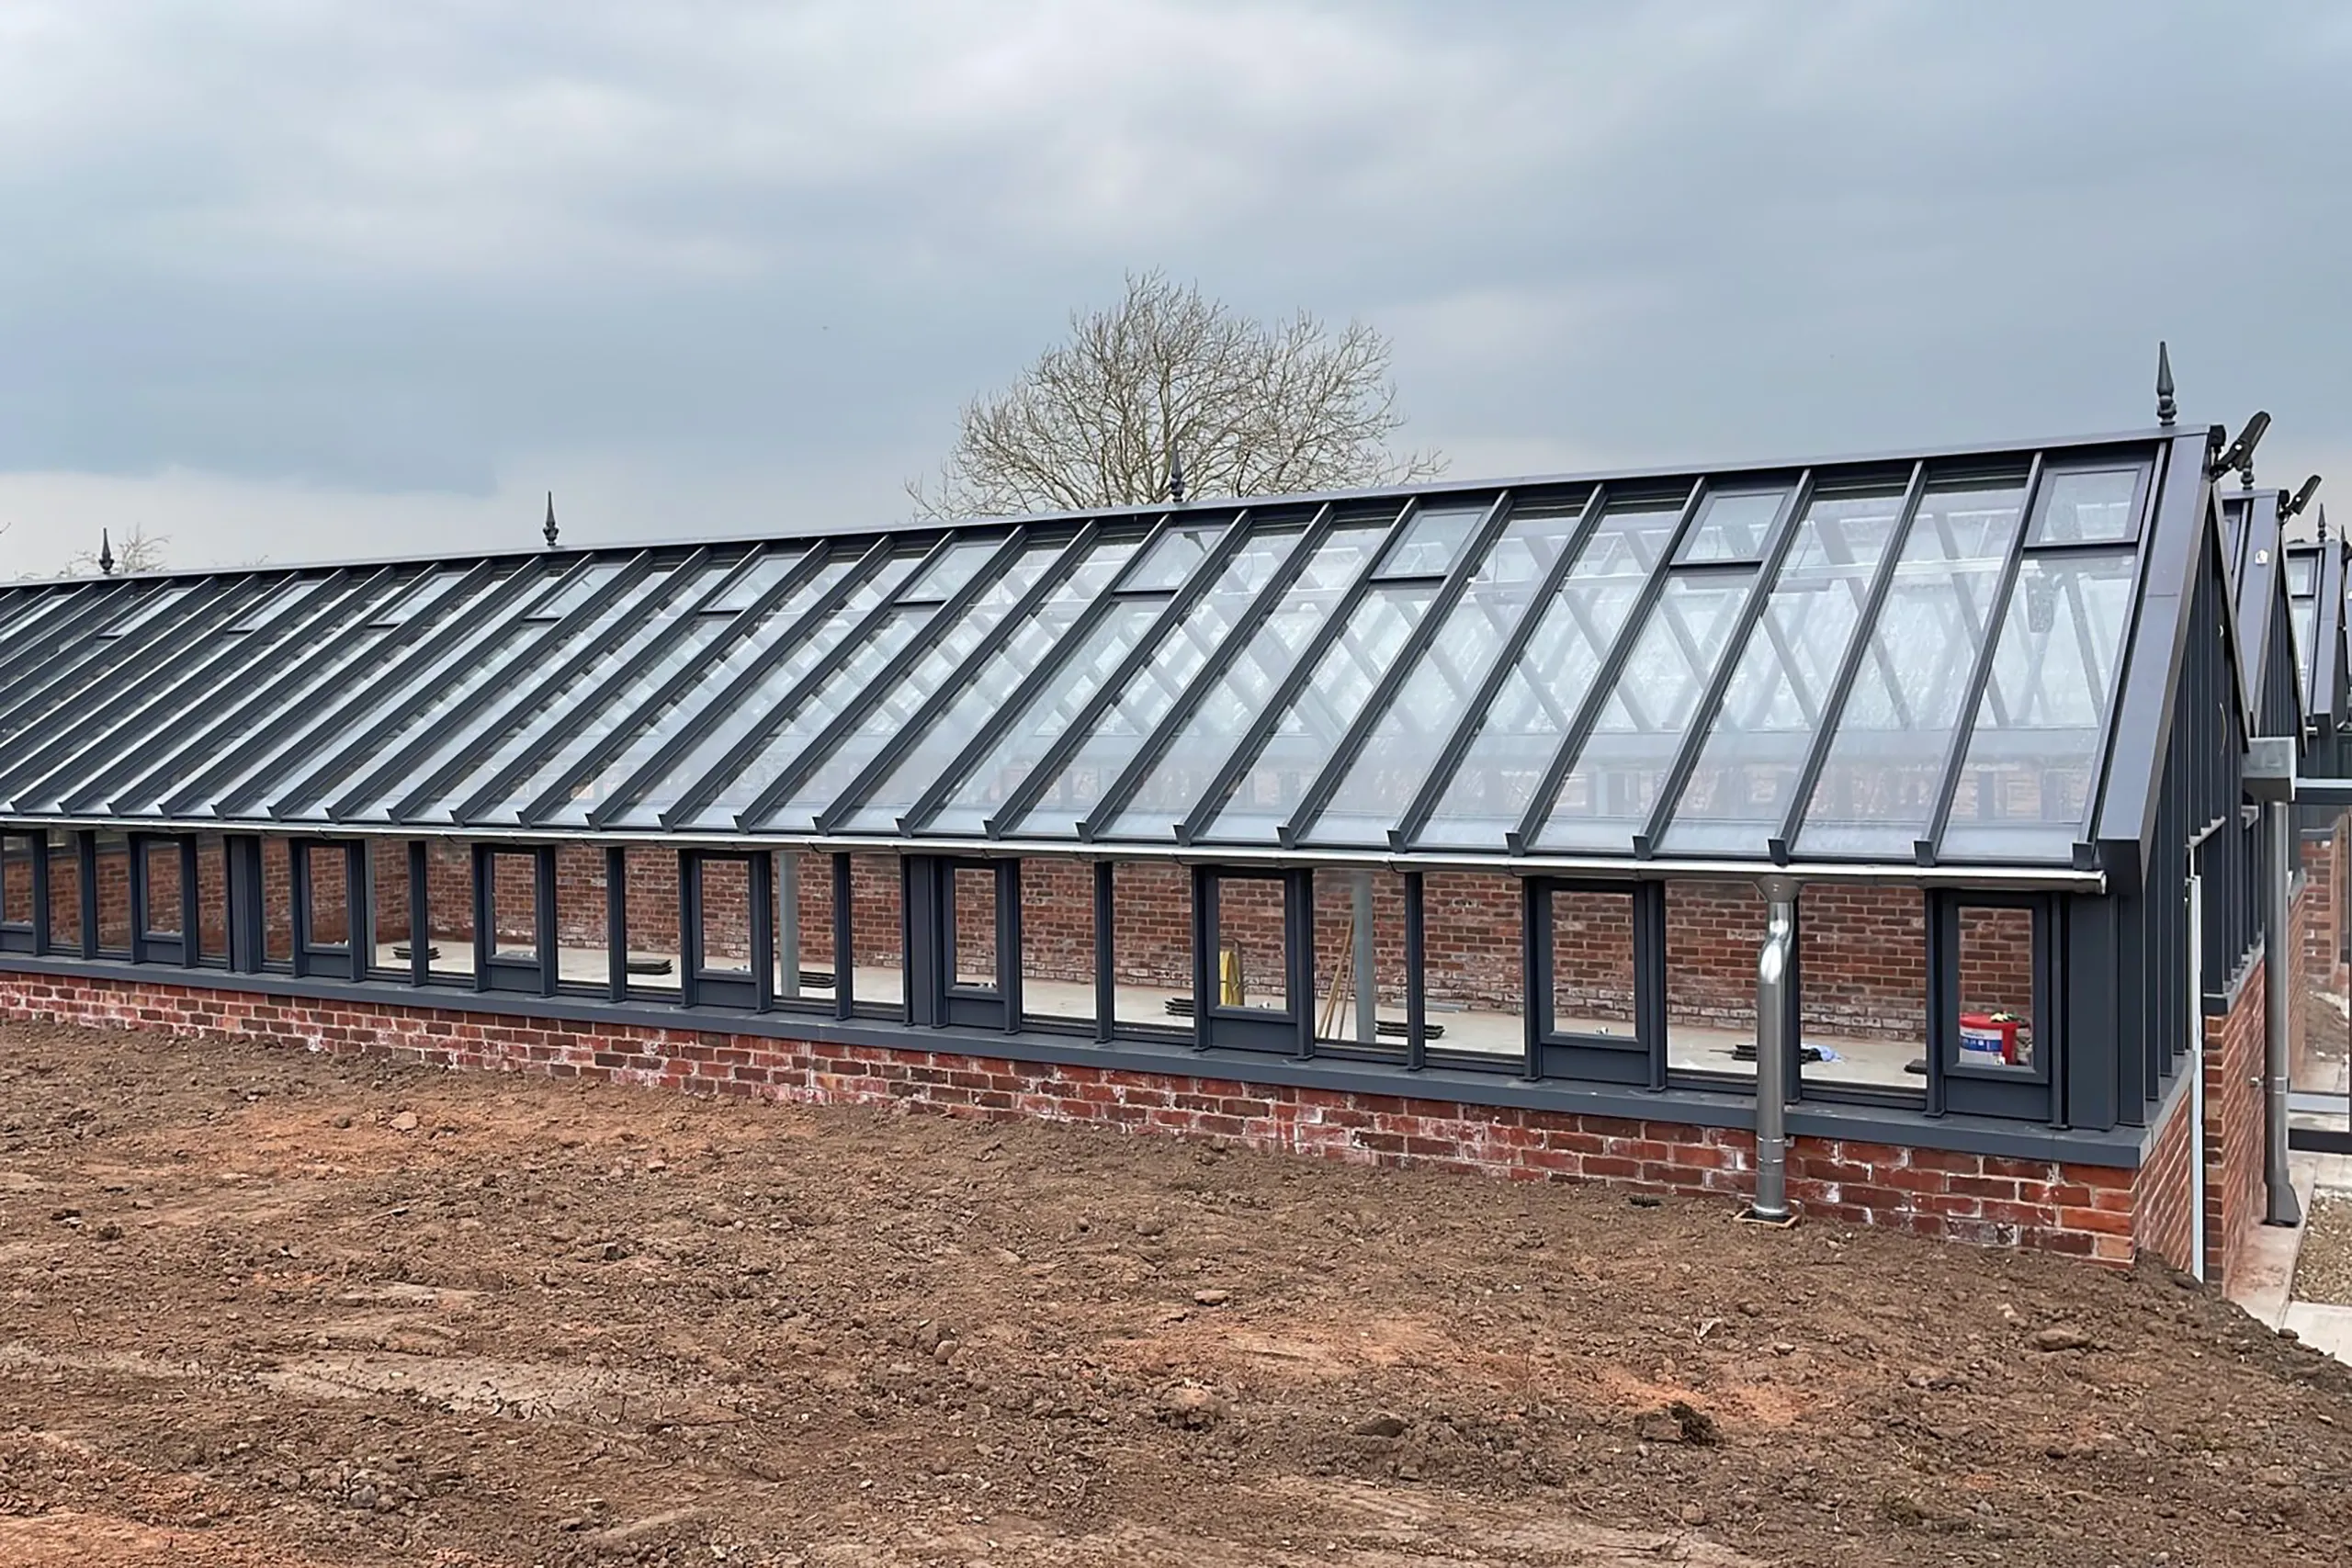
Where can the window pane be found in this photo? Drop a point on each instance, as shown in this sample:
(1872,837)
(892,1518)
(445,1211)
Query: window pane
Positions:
(951,571)
(1432,540)
(1996,1023)
(1309,732)
(329,896)
(1241,690)
(514,915)
(1412,733)
(989,688)
(1057,940)
(1732,525)
(1607,795)
(972,925)
(1177,657)
(1506,756)
(1592,964)
(1474,929)
(1756,744)
(726,919)
(2025,787)
(2090,506)
(804,927)
(1879,781)
(449,909)
(1712,932)
(877,925)
(1173,558)
(166,913)
(1251,972)
(1360,959)
(1152,946)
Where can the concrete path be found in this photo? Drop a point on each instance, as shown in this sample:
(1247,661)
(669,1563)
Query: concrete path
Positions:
(2265,1279)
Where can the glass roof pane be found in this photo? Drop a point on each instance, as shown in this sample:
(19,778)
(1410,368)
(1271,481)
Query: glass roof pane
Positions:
(1238,693)
(1757,744)
(898,707)
(1172,558)
(952,571)
(1411,735)
(2089,505)
(1435,536)
(2299,614)
(2025,789)
(579,585)
(614,644)
(282,597)
(762,574)
(1733,524)
(1311,729)
(1607,795)
(1506,756)
(990,687)
(680,712)
(1884,767)
(2300,566)
(1183,649)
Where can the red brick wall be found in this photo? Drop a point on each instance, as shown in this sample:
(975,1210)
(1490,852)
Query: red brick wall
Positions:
(2163,1220)
(2234,1117)
(2078,1210)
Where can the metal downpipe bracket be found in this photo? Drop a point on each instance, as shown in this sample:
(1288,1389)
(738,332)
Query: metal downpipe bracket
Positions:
(1774,1052)
(2280,1208)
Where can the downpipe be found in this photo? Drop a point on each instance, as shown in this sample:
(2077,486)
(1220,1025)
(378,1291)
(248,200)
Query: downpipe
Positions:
(1774,1050)
(2279,972)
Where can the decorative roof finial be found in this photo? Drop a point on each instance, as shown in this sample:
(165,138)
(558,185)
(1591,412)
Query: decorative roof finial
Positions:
(2167,409)
(105,553)
(549,529)
(1175,475)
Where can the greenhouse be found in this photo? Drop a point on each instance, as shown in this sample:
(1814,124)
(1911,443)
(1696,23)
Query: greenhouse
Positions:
(1723,816)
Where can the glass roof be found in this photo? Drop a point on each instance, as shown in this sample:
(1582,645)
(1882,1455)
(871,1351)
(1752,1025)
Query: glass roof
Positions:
(1882,660)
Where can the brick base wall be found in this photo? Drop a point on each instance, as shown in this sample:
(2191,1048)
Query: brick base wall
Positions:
(2233,1123)
(2081,1211)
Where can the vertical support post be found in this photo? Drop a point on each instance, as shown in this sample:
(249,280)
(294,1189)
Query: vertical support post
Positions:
(762,878)
(420,914)
(2280,1207)
(248,939)
(140,916)
(844,941)
(1206,991)
(616,922)
(359,908)
(1774,964)
(1650,1019)
(689,927)
(297,903)
(43,938)
(485,914)
(1534,954)
(1298,955)
(85,875)
(543,919)
(1106,974)
(1366,956)
(1008,942)
(191,906)
(2196,1070)
(1417,991)
(786,873)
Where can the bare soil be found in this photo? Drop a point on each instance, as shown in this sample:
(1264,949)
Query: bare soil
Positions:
(259,1307)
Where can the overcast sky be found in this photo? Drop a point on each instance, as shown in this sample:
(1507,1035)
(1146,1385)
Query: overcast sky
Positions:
(296,280)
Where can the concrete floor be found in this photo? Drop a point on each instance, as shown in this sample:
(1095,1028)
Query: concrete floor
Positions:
(2265,1277)
(1691,1047)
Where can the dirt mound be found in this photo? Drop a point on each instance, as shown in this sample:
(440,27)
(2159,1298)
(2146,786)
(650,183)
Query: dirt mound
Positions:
(261,1307)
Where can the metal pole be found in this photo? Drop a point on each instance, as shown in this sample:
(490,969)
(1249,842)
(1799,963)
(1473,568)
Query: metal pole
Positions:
(1772,1049)
(787,933)
(2281,1208)
(1367,990)
(2195,1067)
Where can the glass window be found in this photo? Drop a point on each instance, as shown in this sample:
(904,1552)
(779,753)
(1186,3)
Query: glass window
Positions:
(877,932)
(1592,964)
(167,911)
(449,911)
(1432,541)
(513,906)
(1995,1029)
(1151,953)
(1252,969)
(1057,940)
(2090,506)
(993,685)
(2300,566)
(1862,974)
(971,922)
(804,927)
(1512,744)
(578,588)
(1241,690)
(2025,785)
(1733,525)
(1176,658)
(942,579)
(1317,720)
(1714,931)
(1607,795)
(1473,930)
(1775,706)
(1884,766)
(1172,558)
(1360,960)
(762,575)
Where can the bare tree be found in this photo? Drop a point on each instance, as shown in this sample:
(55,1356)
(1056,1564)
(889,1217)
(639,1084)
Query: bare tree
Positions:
(1250,408)
(135,552)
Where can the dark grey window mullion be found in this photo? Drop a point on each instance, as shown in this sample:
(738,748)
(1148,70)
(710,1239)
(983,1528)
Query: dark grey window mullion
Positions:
(536,697)
(1964,727)
(61,758)
(1604,679)
(402,759)
(68,615)
(1050,670)
(728,705)
(84,666)
(911,733)
(1507,657)
(296,717)
(1289,686)
(854,713)
(1850,669)
(1230,647)
(192,732)
(618,738)
(1026,793)
(1727,661)
(417,683)
(1417,646)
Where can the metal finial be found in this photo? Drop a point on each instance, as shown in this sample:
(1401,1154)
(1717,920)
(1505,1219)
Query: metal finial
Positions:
(2167,409)
(549,529)
(105,553)
(1175,475)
